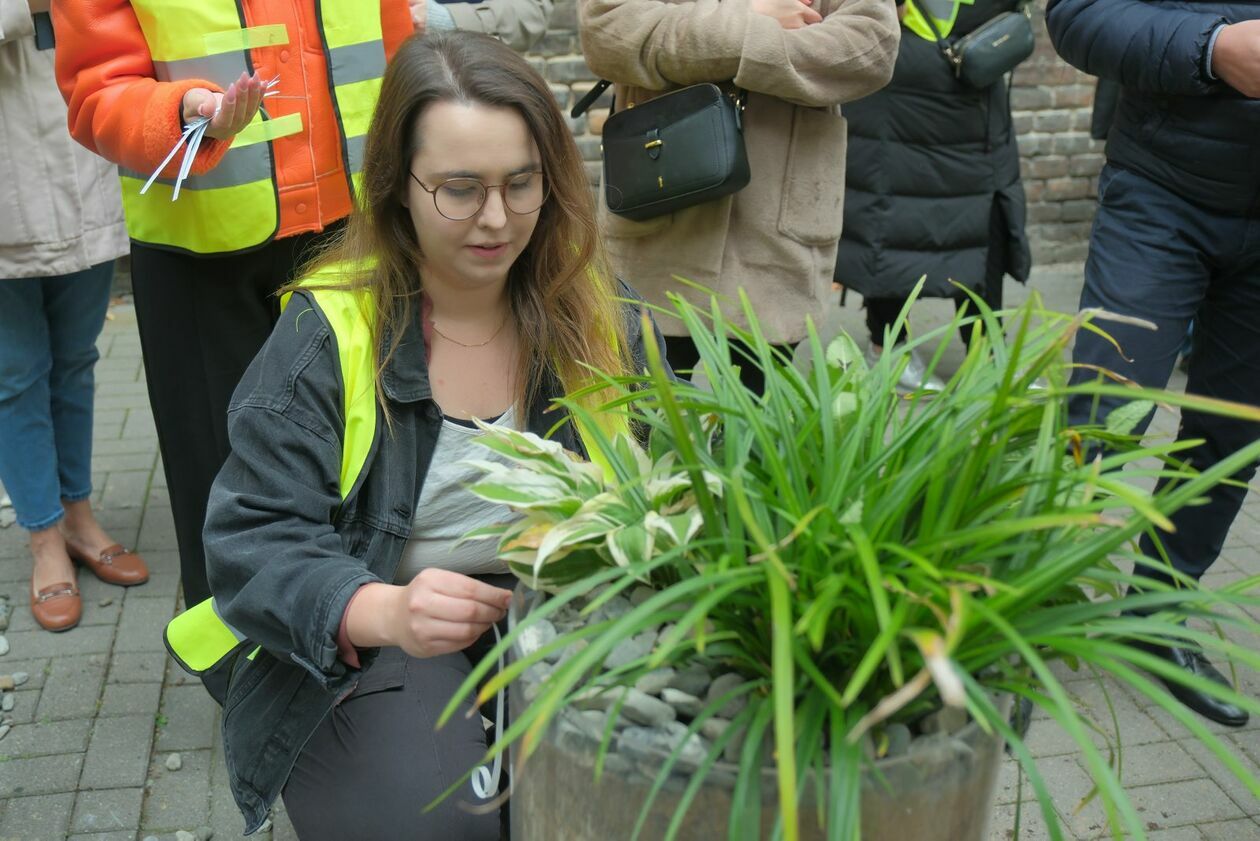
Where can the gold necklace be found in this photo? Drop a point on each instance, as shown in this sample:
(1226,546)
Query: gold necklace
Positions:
(493,336)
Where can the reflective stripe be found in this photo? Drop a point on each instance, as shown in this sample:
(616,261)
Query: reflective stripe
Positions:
(199,638)
(222,69)
(347,23)
(252,37)
(354,152)
(241,165)
(943,12)
(176,29)
(357,62)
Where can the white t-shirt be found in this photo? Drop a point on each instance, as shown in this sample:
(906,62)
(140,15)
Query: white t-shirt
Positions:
(447,510)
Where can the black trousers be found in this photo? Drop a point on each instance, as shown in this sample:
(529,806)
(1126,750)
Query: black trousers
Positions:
(683,355)
(201,321)
(1154,255)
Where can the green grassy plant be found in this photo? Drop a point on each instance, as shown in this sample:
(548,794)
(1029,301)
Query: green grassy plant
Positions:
(863,557)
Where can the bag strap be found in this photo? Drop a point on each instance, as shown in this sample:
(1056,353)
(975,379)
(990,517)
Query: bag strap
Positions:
(582,105)
(947,49)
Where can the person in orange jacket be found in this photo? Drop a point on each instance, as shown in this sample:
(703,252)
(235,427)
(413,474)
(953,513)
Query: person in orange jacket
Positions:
(270,184)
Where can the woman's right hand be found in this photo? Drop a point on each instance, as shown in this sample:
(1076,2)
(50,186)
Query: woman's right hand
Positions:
(439,612)
(230,111)
(791,14)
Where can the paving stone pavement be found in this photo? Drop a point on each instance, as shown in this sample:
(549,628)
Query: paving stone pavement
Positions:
(104,707)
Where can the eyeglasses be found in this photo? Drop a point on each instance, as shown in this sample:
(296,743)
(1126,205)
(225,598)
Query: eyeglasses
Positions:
(462,198)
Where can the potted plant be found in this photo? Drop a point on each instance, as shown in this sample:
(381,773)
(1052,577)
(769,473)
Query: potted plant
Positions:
(805,613)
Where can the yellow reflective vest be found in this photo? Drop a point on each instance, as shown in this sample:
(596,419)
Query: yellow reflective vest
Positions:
(944,13)
(235,206)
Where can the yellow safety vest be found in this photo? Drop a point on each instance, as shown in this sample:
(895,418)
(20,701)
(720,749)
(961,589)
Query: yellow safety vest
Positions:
(235,206)
(944,13)
(198,638)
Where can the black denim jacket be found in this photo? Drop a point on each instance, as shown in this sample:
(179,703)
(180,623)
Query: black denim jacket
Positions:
(284,554)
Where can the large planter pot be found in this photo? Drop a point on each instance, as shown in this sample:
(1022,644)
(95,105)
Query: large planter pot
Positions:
(943,789)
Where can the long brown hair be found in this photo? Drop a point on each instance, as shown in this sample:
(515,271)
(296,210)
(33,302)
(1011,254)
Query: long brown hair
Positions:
(562,292)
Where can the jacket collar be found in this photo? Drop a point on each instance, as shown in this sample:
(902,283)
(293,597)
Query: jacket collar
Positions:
(406,375)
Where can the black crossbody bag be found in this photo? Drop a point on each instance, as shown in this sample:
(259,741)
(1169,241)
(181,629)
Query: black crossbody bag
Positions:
(990,51)
(683,148)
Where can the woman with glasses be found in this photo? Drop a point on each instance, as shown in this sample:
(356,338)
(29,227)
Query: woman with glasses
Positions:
(469,284)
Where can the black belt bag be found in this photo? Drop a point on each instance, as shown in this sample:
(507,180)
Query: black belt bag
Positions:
(680,149)
(990,51)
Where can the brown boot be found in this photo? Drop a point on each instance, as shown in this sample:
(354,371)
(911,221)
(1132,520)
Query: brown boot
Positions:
(57,607)
(115,565)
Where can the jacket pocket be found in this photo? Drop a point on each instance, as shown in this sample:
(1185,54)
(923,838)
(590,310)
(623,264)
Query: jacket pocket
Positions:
(811,209)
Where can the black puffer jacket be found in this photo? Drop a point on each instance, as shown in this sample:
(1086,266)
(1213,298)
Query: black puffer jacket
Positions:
(1175,125)
(928,159)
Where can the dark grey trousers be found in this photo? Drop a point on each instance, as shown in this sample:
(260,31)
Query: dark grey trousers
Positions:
(1157,256)
(377,760)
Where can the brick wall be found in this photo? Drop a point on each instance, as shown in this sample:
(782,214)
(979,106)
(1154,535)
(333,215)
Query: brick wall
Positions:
(1050,100)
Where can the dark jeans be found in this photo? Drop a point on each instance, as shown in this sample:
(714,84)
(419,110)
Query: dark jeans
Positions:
(682,355)
(1159,257)
(202,320)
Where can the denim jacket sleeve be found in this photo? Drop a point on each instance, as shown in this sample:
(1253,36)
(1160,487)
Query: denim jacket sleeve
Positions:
(278,569)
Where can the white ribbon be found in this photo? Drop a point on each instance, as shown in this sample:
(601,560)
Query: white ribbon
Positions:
(193,134)
(485,779)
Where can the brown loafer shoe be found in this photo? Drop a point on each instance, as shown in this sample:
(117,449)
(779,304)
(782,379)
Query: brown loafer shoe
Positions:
(57,607)
(116,565)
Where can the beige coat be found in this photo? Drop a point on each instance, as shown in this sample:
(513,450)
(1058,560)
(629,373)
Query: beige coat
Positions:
(777,237)
(60,208)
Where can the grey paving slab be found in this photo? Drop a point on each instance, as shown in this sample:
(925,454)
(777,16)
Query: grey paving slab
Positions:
(25,701)
(131,699)
(143,617)
(126,488)
(118,754)
(35,668)
(29,739)
(190,719)
(157,532)
(120,835)
(178,799)
(137,667)
(73,688)
(38,643)
(40,775)
(36,818)
(106,811)
(1239,830)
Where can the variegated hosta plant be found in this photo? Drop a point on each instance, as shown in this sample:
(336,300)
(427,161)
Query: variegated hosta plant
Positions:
(858,558)
(575,520)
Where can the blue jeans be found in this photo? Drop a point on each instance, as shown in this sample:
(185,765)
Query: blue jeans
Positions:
(1154,255)
(48,330)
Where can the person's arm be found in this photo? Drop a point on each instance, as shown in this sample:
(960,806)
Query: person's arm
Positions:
(651,44)
(15,18)
(1233,56)
(1142,45)
(518,23)
(119,110)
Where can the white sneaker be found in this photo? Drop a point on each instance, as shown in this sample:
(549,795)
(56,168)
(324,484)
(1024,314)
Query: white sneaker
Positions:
(915,376)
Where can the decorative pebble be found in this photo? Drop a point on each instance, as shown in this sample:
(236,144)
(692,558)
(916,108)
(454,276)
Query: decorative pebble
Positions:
(150,838)
(4,730)
(537,635)
(7,702)
(694,680)
(722,686)
(174,762)
(204,833)
(614,608)
(596,698)
(642,708)
(948,720)
(5,610)
(4,645)
(655,744)
(714,727)
(185,835)
(20,678)
(898,739)
(654,681)
(7,684)
(689,705)
(105,602)
(641,594)
(629,650)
